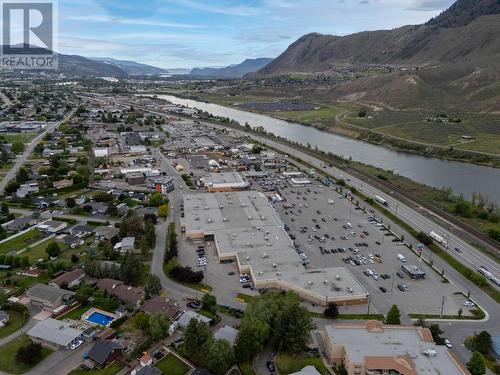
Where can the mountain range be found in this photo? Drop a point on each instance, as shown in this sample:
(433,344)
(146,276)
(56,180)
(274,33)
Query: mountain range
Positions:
(467,31)
(232,71)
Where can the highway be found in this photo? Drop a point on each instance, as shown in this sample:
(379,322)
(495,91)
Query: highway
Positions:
(468,255)
(21,160)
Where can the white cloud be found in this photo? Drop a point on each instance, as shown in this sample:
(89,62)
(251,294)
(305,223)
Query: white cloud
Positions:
(130,21)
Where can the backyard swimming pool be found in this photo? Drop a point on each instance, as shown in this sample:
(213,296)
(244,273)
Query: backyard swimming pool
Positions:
(100,318)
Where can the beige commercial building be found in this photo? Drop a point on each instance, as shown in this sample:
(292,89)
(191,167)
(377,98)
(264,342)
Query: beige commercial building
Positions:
(376,349)
(246,228)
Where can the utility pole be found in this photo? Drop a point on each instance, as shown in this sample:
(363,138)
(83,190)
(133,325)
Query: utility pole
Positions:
(369,302)
(442,306)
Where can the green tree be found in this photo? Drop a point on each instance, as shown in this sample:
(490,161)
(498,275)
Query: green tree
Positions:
(22,176)
(53,250)
(220,357)
(436,333)
(132,269)
(252,336)
(3,298)
(483,343)
(476,364)
(5,209)
(150,234)
(141,321)
(393,316)
(292,324)
(29,353)
(158,326)
(332,311)
(153,286)
(196,337)
(17,147)
(83,293)
(163,211)
(209,303)
(156,199)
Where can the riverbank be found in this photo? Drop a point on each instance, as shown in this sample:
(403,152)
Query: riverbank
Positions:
(339,126)
(438,173)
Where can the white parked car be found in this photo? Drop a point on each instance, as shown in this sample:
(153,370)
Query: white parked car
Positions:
(448,343)
(76,344)
(469,304)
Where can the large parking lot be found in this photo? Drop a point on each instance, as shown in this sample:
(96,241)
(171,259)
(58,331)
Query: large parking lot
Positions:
(332,232)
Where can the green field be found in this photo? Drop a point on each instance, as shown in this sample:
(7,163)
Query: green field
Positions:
(22,241)
(8,356)
(289,363)
(16,321)
(112,369)
(172,365)
(18,137)
(324,115)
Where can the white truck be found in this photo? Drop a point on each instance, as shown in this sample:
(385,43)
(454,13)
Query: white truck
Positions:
(436,237)
(381,200)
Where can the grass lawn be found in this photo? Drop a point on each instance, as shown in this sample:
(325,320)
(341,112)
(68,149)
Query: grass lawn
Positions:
(75,313)
(8,356)
(245,297)
(110,370)
(38,251)
(16,321)
(290,363)
(247,368)
(172,365)
(20,242)
(19,137)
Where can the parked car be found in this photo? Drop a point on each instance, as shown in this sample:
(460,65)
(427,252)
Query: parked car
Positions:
(270,366)
(469,304)
(448,343)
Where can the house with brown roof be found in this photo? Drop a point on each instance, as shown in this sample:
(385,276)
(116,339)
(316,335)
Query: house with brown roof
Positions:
(70,278)
(129,294)
(164,305)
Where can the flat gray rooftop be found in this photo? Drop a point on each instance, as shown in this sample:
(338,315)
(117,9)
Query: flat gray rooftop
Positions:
(245,225)
(360,343)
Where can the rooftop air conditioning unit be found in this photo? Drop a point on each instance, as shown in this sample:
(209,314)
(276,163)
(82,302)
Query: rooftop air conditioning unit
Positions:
(206,207)
(325,282)
(247,258)
(337,277)
(261,273)
(221,207)
(269,244)
(266,237)
(278,273)
(209,220)
(264,256)
(250,218)
(259,228)
(224,219)
(310,283)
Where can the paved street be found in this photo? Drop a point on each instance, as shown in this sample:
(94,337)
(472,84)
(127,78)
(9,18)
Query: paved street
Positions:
(21,159)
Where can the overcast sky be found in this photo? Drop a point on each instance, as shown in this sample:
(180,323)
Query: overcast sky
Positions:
(192,33)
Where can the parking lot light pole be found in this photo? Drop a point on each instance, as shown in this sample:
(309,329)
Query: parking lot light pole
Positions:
(442,307)
(369,302)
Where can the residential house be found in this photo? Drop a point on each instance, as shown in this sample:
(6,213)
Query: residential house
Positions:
(98,207)
(49,297)
(81,231)
(70,278)
(52,226)
(308,370)
(73,241)
(55,334)
(61,184)
(109,233)
(125,245)
(146,359)
(164,305)
(19,224)
(27,189)
(186,317)
(227,333)
(4,318)
(129,294)
(105,352)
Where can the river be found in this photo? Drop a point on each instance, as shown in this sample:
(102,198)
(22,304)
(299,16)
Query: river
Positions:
(462,178)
